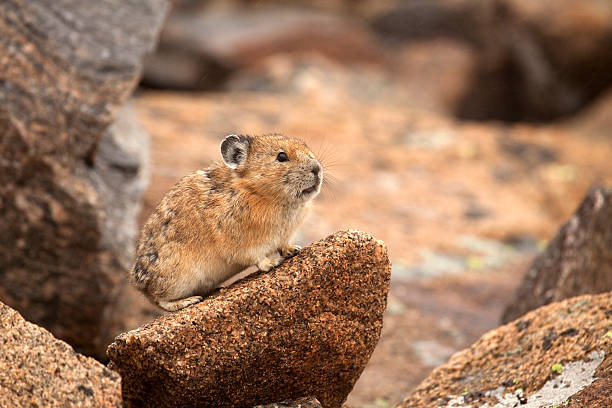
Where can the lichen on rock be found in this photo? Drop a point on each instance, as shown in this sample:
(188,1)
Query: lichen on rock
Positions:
(306,402)
(512,364)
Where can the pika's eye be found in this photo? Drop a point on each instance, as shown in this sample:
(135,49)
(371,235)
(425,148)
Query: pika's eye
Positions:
(282,157)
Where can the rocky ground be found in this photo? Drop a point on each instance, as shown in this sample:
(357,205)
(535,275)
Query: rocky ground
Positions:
(463,206)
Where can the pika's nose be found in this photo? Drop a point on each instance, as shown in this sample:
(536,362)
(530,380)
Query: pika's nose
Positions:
(316,169)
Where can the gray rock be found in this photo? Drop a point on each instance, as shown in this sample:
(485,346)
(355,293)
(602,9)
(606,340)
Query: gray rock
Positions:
(577,261)
(66,68)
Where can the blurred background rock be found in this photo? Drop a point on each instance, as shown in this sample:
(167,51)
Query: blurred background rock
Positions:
(511,60)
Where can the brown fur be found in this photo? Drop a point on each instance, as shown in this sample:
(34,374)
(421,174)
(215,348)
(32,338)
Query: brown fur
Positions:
(215,222)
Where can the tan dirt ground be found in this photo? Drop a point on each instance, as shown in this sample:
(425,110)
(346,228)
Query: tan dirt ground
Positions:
(454,202)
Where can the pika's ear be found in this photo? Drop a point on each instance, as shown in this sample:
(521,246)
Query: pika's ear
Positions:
(234,150)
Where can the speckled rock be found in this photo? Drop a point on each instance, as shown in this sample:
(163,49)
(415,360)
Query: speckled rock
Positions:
(38,370)
(307,327)
(306,402)
(70,182)
(558,353)
(578,261)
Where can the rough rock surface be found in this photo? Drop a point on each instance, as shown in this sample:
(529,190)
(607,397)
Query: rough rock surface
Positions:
(557,353)
(578,261)
(307,327)
(306,402)
(37,370)
(69,184)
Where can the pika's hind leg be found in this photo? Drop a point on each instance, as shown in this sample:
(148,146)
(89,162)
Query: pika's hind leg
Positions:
(178,304)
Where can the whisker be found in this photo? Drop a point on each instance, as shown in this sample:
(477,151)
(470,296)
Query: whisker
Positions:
(330,179)
(328,194)
(329,188)
(327,157)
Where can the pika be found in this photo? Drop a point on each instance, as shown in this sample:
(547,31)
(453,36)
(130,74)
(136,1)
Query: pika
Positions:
(215,222)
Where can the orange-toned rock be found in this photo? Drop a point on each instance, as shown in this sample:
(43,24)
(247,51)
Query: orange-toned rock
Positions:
(307,327)
(38,370)
(557,353)
(577,262)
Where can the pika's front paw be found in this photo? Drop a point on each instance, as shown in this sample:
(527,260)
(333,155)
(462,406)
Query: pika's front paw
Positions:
(268,263)
(174,305)
(289,250)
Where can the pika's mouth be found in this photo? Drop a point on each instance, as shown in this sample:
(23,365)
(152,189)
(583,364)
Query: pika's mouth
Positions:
(309,190)
(314,188)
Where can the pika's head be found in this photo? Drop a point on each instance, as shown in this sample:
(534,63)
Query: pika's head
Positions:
(274,165)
